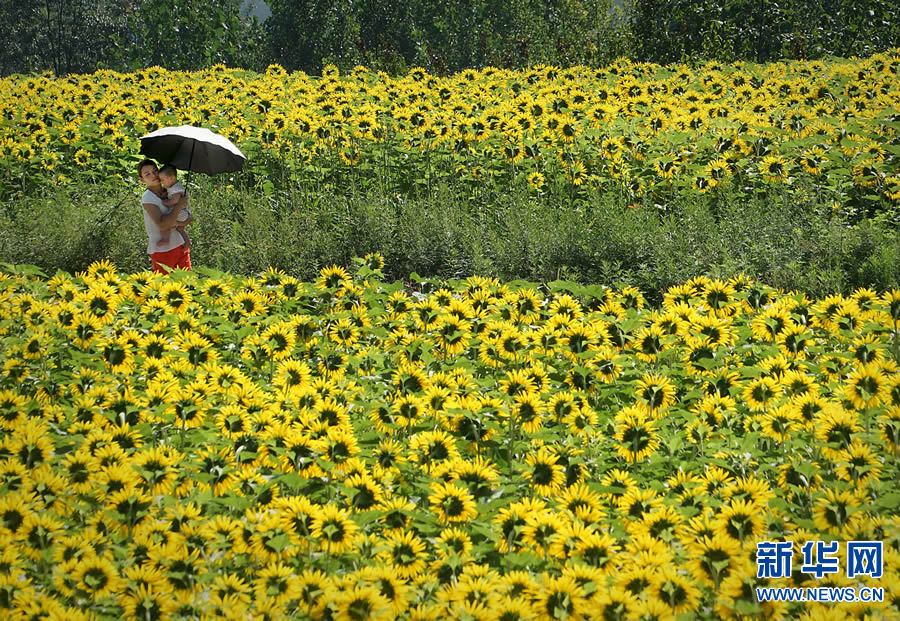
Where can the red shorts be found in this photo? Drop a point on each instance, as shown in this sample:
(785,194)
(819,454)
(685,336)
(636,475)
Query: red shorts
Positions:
(164,262)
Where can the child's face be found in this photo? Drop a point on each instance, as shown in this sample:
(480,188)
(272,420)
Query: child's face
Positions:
(167,180)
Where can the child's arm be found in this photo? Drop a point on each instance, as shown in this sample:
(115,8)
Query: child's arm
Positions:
(172,199)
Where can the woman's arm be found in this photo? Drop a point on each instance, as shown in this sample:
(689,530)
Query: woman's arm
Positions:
(168,221)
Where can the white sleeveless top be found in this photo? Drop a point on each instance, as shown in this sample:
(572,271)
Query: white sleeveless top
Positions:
(153,232)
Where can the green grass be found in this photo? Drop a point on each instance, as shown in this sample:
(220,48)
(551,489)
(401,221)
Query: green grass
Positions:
(450,232)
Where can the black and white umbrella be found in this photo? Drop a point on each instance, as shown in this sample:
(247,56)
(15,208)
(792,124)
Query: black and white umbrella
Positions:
(193,149)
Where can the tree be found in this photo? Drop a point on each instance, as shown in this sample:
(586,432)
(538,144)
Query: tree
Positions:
(81,36)
(63,36)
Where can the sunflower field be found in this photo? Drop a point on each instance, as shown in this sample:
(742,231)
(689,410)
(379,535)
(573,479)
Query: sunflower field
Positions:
(822,128)
(203,445)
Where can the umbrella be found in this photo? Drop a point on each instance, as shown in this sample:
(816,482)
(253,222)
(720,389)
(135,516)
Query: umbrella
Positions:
(193,149)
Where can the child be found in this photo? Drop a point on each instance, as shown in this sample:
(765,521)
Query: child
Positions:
(168,177)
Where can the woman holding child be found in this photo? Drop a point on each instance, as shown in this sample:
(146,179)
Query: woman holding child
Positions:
(169,246)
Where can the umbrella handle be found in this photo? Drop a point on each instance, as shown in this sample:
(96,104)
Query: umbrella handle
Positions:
(191,162)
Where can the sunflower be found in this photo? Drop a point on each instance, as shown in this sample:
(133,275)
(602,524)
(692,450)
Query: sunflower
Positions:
(780,422)
(562,404)
(84,328)
(835,511)
(751,489)
(96,576)
(292,376)
(889,426)
(512,520)
(867,386)
(155,468)
(279,340)
(614,603)
(276,581)
(713,329)
(635,434)
(246,303)
(528,412)
(676,590)
(407,410)
(536,180)
(865,173)
(715,480)
(297,516)
(176,296)
(100,302)
(660,522)
(582,503)
(197,348)
(316,591)
(545,475)
(452,503)
(582,420)
(452,334)
(634,580)
(454,541)
(834,428)
(741,521)
(517,381)
(404,553)
(511,344)
(363,491)
(799,384)
(12,410)
(700,358)
(649,342)
(329,412)
(36,344)
(559,598)
(334,530)
(79,468)
(635,503)
(768,324)
(656,391)
(794,340)
(715,558)
(578,338)
(813,160)
(145,602)
(667,167)
(565,306)
(857,464)
(511,608)
(479,475)
(333,277)
(431,448)
(38,533)
(761,392)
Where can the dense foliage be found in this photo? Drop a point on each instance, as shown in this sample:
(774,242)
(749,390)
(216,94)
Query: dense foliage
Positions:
(445,37)
(212,446)
(762,30)
(66,36)
(82,36)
